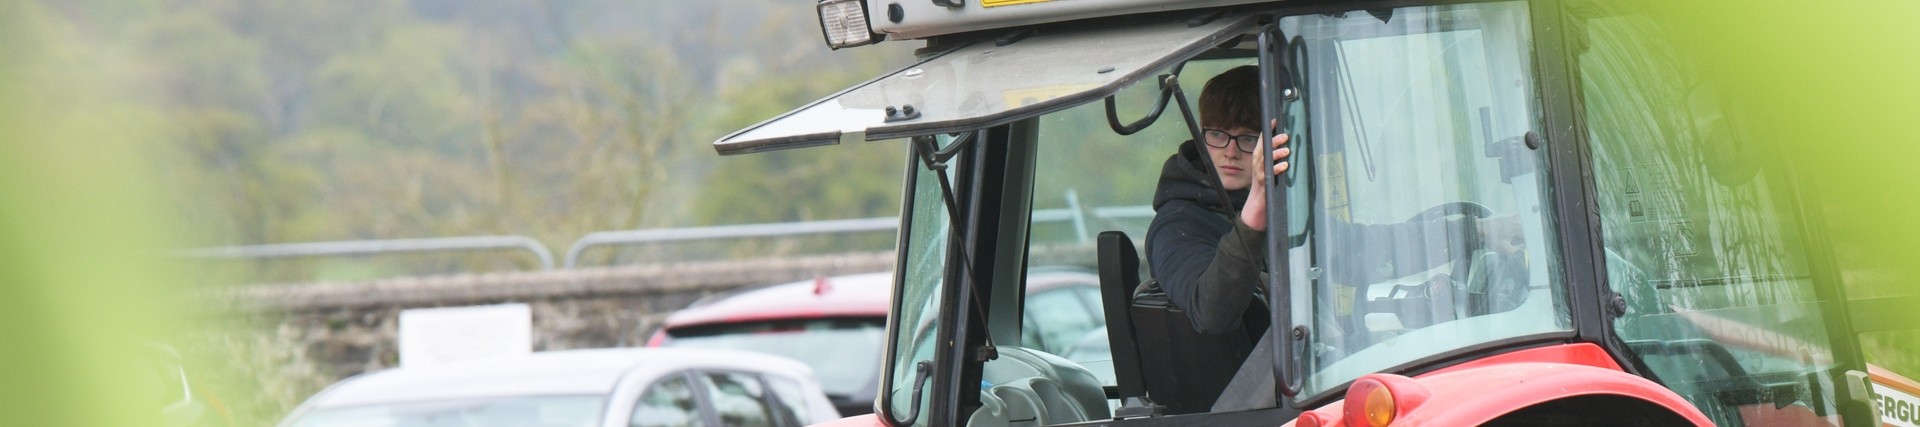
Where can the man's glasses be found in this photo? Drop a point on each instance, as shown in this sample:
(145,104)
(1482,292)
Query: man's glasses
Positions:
(1219,138)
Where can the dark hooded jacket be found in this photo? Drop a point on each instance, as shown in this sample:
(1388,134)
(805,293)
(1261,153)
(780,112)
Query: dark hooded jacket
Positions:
(1206,261)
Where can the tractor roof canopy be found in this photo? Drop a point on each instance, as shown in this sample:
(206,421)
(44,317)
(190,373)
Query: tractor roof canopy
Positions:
(992,82)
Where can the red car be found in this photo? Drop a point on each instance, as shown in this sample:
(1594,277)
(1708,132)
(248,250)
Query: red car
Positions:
(838,326)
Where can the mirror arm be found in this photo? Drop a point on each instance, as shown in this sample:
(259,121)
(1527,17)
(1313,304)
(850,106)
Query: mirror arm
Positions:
(1113,116)
(1169,85)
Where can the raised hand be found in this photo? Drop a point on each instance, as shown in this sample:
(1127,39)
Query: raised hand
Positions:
(1254,215)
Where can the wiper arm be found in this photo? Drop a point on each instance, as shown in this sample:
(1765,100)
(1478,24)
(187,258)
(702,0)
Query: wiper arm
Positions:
(922,370)
(936,160)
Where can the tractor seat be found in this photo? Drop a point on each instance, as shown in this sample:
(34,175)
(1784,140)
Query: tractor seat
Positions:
(1160,359)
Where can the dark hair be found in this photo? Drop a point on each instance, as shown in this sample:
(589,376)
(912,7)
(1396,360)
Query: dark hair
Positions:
(1232,99)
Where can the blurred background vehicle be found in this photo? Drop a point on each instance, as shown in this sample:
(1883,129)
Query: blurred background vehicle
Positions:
(604,387)
(837,325)
(1062,317)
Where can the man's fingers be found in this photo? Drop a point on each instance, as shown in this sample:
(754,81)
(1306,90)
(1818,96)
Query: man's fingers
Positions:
(1280,156)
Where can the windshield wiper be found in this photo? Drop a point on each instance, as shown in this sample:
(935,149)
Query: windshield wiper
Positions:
(1351,106)
(936,161)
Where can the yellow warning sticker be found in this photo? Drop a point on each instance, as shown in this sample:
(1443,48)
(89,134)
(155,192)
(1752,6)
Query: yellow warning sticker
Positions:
(1343,300)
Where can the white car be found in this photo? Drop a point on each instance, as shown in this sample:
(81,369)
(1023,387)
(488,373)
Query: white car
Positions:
(579,388)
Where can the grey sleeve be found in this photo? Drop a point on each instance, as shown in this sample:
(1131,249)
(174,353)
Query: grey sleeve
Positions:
(1226,287)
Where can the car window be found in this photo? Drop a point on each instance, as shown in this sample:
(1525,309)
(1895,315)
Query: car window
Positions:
(668,403)
(1057,319)
(739,399)
(789,400)
(826,345)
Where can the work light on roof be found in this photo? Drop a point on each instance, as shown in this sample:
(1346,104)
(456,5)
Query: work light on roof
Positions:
(845,23)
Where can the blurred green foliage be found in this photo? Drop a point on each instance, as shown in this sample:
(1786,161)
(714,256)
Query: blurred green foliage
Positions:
(248,122)
(80,293)
(379,119)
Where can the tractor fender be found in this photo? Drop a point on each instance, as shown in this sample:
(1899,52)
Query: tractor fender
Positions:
(1478,394)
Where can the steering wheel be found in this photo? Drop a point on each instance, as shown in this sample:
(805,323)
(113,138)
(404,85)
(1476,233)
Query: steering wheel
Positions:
(1443,210)
(1482,280)
(1496,282)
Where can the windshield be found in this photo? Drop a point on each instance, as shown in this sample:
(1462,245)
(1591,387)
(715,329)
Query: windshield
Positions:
(514,411)
(1426,230)
(831,347)
(1702,240)
(916,307)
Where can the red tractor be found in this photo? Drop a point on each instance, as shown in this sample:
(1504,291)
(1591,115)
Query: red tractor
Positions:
(1649,275)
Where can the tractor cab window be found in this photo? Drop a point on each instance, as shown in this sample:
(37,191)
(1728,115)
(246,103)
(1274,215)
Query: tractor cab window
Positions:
(1087,179)
(989,109)
(1091,180)
(1703,242)
(923,256)
(1428,230)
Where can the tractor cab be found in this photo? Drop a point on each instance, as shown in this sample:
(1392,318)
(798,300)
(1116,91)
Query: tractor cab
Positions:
(1502,212)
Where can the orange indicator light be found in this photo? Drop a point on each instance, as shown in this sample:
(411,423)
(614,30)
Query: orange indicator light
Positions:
(1379,406)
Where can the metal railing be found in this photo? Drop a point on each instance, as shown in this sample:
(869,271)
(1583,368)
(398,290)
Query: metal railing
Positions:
(370,247)
(633,237)
(1073,213)
(785,229)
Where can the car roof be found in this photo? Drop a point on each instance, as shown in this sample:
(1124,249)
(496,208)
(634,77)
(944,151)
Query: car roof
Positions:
(569,372)
(1051,277)
(856,295)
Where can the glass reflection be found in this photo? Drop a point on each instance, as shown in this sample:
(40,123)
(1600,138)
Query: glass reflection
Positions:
(1703,242)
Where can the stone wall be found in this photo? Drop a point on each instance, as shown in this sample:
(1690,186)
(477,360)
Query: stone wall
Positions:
(347,328)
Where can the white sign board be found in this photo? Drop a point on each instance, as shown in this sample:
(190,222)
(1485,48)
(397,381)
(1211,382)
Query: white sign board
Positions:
(433,336)
(1897,407)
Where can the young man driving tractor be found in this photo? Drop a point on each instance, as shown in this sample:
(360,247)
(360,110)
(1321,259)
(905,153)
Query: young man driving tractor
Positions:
(1208,253)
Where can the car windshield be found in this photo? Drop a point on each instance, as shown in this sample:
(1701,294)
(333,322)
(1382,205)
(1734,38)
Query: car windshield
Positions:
(1426,230)
(514,411)
(832,347)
